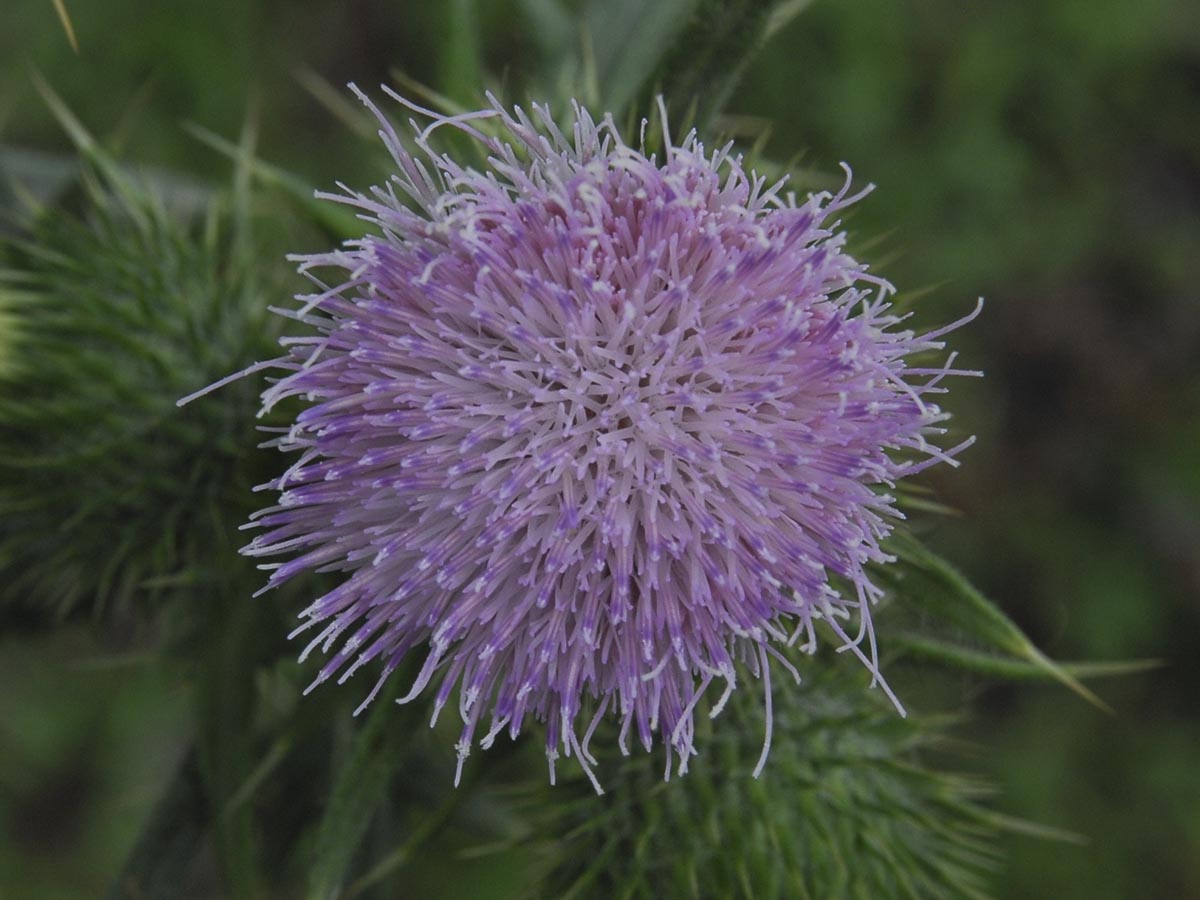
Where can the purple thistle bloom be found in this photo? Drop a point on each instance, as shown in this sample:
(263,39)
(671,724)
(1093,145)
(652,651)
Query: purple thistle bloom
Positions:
(592,430)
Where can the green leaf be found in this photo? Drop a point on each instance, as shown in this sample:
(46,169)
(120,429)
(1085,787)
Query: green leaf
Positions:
(359,788)
(270,762)
(1008,667)
(429,824)
(782,15)
(710,55)
(337,222)
(67,120)
(551,27)
(225,741)
(64,17)
(459,65)
(338,102)
(937,587)
(628,40)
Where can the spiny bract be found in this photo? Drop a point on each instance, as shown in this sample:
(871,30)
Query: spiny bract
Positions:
(591,428)
(852,809)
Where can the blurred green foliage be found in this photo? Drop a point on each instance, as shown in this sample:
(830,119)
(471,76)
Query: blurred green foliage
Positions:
(107,491)
(1044,154)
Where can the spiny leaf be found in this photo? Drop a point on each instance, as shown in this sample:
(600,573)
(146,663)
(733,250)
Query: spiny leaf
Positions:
(783,13)
(358,789)
(1008,667)
(337,102)
(394,860)
(67,120)
(459,70)
(335,221)
(63,16)
(709,56)
(551,26)
(271,761)
(937,587)
(628,38)
(225,742)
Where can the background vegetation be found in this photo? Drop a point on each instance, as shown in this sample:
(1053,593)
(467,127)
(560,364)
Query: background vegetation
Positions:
(1045,155)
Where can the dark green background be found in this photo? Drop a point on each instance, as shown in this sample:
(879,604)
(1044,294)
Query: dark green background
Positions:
(1045,155)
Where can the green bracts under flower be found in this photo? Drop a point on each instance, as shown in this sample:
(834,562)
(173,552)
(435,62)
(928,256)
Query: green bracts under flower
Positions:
(848,808)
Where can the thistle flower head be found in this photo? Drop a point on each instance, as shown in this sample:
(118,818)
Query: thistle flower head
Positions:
(591,429)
